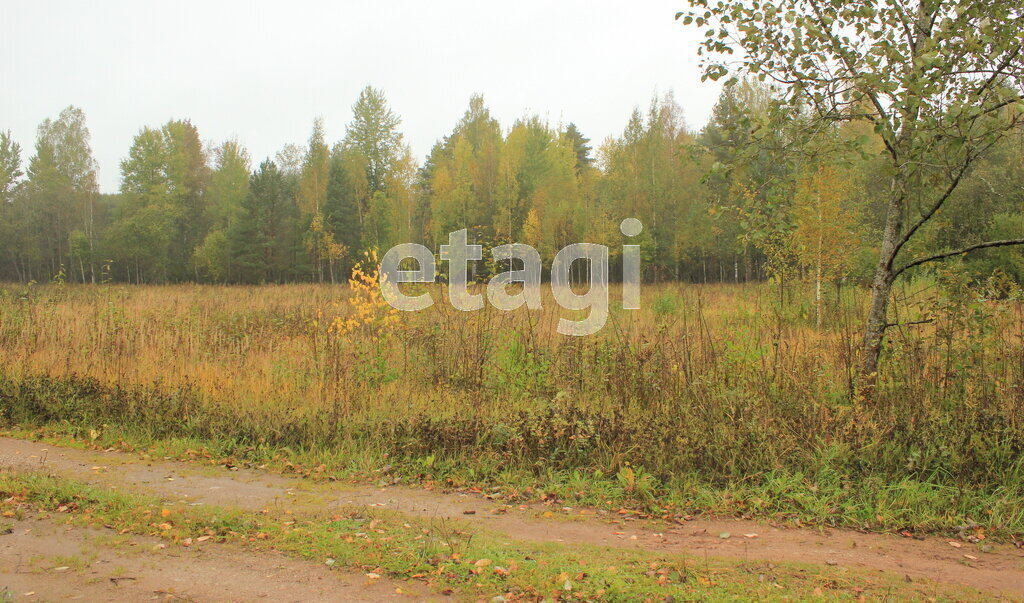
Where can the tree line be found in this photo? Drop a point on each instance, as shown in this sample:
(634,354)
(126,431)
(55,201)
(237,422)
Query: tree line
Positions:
(729,202)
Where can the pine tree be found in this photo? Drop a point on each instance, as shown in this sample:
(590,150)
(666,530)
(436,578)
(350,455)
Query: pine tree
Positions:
(10,168)
(251,238)
(341,212)
(10,181)
(374,133)
(580,147)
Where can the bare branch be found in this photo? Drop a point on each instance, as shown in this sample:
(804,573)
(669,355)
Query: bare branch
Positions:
(931,212)
(946,194)
(942,256)
(911,323)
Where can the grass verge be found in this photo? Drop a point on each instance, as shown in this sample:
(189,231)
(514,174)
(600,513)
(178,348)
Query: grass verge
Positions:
(823,499)
(450,559)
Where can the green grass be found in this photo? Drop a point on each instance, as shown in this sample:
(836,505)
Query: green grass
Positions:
(823,499)
(450,558)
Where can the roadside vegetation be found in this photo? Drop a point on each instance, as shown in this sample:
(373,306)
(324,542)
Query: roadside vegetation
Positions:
(446,557)
(722,399)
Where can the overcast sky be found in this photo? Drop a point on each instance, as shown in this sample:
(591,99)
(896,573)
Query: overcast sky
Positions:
(261,71)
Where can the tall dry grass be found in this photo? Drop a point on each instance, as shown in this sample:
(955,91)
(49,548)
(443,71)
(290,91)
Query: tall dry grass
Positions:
(717,382)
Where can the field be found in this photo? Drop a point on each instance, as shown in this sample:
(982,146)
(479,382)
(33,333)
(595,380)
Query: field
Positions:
(714,403)
(714,398)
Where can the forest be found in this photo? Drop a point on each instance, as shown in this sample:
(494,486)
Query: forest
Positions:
(725,203)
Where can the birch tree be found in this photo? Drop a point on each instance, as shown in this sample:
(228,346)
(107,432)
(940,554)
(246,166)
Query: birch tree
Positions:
(939,81)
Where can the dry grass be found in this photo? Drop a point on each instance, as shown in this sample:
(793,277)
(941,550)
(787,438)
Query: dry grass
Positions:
(718,384)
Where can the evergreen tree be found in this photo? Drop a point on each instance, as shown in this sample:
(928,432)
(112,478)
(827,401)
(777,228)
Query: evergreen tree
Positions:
(251,239)
(10,181)
(580,147)
(10,168)
(374,133)
(341,212)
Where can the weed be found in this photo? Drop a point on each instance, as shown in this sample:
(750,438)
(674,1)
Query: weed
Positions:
(727,399)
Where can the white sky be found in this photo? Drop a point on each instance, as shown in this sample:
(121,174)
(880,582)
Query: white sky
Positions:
(261,71)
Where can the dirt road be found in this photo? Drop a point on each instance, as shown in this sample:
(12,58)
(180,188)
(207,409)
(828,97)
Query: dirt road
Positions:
(56,562)
(998,570)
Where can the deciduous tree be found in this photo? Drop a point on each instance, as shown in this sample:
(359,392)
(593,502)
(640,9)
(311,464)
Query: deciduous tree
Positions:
(940,82)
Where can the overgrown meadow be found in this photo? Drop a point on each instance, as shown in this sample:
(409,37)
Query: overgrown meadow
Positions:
(712,398)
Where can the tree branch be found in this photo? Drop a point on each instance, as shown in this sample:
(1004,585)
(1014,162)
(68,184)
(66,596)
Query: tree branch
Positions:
(942,256)
(855,75)
(946,194)
(928,214)
(912,323)
(999,71)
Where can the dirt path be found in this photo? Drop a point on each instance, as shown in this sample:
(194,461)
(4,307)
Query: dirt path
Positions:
(999,571)
(41,559)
